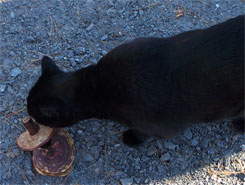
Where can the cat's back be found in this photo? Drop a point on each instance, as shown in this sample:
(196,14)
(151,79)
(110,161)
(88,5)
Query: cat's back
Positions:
(194,76)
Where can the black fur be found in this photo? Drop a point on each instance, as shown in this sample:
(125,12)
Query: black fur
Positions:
(155,86)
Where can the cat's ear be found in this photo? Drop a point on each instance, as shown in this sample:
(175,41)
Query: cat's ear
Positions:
(49,67)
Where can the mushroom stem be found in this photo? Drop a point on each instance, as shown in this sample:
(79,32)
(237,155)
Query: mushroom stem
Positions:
(30,125)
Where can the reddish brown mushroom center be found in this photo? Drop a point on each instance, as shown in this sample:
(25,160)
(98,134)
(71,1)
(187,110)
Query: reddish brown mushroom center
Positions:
(55,157)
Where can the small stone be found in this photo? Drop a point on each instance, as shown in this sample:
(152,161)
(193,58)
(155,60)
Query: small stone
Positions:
(204,143)
(220,144)
(141,12)
(16,151)
(104,52)
(93,60)
(211,151)
(188,134)
(87,157)
(144,158)
(137,180)
(165,157)
(80,51)
(137,167)
(95,149)
(1,110)
(151,150)
(194,142)
(29,173)
(101,143)
(146,180)
(30,40)
(90,27)
(15,72)
(2,88)
(169,145)
(79,131)
(118,174)
(11,53)
(243,148)
(226,161)
(97,170)
(127,181)
(70,53)
(216,159)
(12,14)
(104,37)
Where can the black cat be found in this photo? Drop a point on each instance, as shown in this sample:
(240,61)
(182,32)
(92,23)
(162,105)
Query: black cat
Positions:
(155,86)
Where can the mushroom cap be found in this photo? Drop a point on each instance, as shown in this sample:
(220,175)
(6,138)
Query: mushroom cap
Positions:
(28,142)
(57,159)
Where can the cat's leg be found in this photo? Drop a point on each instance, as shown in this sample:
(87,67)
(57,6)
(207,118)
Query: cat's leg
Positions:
(238,124)
(133,138)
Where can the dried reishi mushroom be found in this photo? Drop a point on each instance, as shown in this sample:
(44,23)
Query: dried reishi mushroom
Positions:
(56,159)
(35,135)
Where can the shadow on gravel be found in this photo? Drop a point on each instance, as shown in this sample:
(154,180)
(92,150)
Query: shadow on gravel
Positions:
(207,152)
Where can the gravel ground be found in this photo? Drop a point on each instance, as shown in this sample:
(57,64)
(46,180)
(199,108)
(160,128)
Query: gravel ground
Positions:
(77,33)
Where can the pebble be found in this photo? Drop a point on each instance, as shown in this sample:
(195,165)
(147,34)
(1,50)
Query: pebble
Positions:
(226,161)
(194,142)
(29,173)
(1,110)
(144,158)
(216,159)
(30,40)
(204,143)
(95,149)
(2,88)
(90,27)
(165,157)
(101,143)
(127,181)
(137,167)
(243,148)
(93,60)
(211,151)
(12,15)
(169,145)
(104,52)
(15,72)
(220,144)
(79,131)
(151,150)
(146,180)
(104,37)
(188,134)
(80,50)
(87,157)
(11,53)
(70,53)
(137,180)
(141,12)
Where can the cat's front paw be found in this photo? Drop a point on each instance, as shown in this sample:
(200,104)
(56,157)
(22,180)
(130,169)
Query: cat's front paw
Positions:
(133,138)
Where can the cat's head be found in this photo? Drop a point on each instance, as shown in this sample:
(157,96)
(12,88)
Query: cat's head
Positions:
(48,101)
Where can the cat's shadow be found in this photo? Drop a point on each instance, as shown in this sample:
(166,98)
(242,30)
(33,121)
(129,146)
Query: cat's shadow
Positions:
(206,149)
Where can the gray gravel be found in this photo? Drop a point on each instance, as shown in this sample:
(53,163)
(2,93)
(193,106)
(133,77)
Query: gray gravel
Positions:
(77,34)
